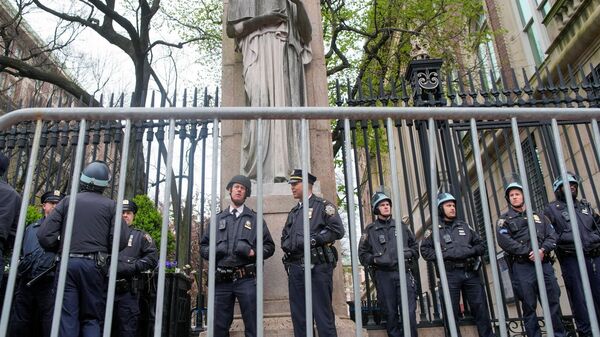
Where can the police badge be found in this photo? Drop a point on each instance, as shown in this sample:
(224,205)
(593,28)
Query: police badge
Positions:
(427,234)
(329,209)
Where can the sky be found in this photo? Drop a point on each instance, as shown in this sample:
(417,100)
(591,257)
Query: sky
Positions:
(117,68)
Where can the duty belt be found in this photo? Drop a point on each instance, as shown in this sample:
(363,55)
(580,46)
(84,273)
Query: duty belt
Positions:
(525,259)
(318,255)
(89,256)
(407,262)
(570,252)
(463,264)
(230,274)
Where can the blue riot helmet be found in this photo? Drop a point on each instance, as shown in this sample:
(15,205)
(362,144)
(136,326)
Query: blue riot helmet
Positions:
(556,186)
(442,198)
(510,186)
(376,199)
(572,178)
(95,177)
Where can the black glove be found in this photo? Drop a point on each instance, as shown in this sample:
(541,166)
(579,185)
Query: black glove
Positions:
(242,248)
(383,261)
(221,249)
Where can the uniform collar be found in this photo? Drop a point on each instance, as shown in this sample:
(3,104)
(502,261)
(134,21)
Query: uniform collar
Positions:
(240,210)
(309,199)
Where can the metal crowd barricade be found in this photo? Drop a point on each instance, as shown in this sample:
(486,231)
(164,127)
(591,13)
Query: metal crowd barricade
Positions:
(389,114)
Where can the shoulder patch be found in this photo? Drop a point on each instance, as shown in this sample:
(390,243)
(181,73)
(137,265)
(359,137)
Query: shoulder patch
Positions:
(364,237)
(329,210)
(148,237)
(500,222)
(427,234)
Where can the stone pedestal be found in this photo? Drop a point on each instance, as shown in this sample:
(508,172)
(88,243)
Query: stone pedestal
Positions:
(277,197)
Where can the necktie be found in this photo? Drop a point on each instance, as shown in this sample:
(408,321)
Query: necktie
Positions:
(234,212)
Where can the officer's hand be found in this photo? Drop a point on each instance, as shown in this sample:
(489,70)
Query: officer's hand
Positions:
(251,254)
(383,261)
(221,249)
(532,255)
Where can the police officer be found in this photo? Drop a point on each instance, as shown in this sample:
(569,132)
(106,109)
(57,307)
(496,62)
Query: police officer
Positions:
(461,250)
(236,259)
(86,282)
(10,204)
(378,251)
(140,255)
(513,236)
(34,297)
(588,222)
(325,227)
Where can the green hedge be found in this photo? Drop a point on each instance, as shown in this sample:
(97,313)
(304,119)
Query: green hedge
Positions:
(149,219)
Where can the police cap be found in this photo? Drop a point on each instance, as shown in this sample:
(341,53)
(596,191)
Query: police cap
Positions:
(52,196)
(129,205)
(296,177)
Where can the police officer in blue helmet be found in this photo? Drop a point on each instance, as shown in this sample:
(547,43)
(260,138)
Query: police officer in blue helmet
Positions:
(588,222)
(86,283)
(378,251)
(33,305)
(462,249)
(512,232)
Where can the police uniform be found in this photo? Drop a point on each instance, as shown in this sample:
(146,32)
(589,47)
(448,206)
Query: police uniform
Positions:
(33,304)
(588,222)
(325,227)
(236,271)
(461,251)
(140,255)
(513,237)
(378,250)
(86,282)
(10,204)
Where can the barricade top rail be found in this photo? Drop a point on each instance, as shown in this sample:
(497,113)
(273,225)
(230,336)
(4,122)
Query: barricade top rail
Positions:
(245,113)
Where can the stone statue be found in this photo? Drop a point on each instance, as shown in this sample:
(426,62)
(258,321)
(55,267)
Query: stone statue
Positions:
(273,37)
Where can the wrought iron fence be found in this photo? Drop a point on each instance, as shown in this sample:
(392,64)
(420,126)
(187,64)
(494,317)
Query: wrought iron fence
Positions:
(431,145)
(425,86)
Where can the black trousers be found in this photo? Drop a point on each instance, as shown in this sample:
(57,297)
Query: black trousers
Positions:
(33,308)
(389,298)
(469,283)
(322,288)
(225,294)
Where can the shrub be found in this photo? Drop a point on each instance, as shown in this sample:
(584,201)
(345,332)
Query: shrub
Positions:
(149,219)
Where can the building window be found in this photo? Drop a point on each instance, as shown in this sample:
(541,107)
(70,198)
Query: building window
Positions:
(486,54)
(530,20)
(543,6)
(533,167)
